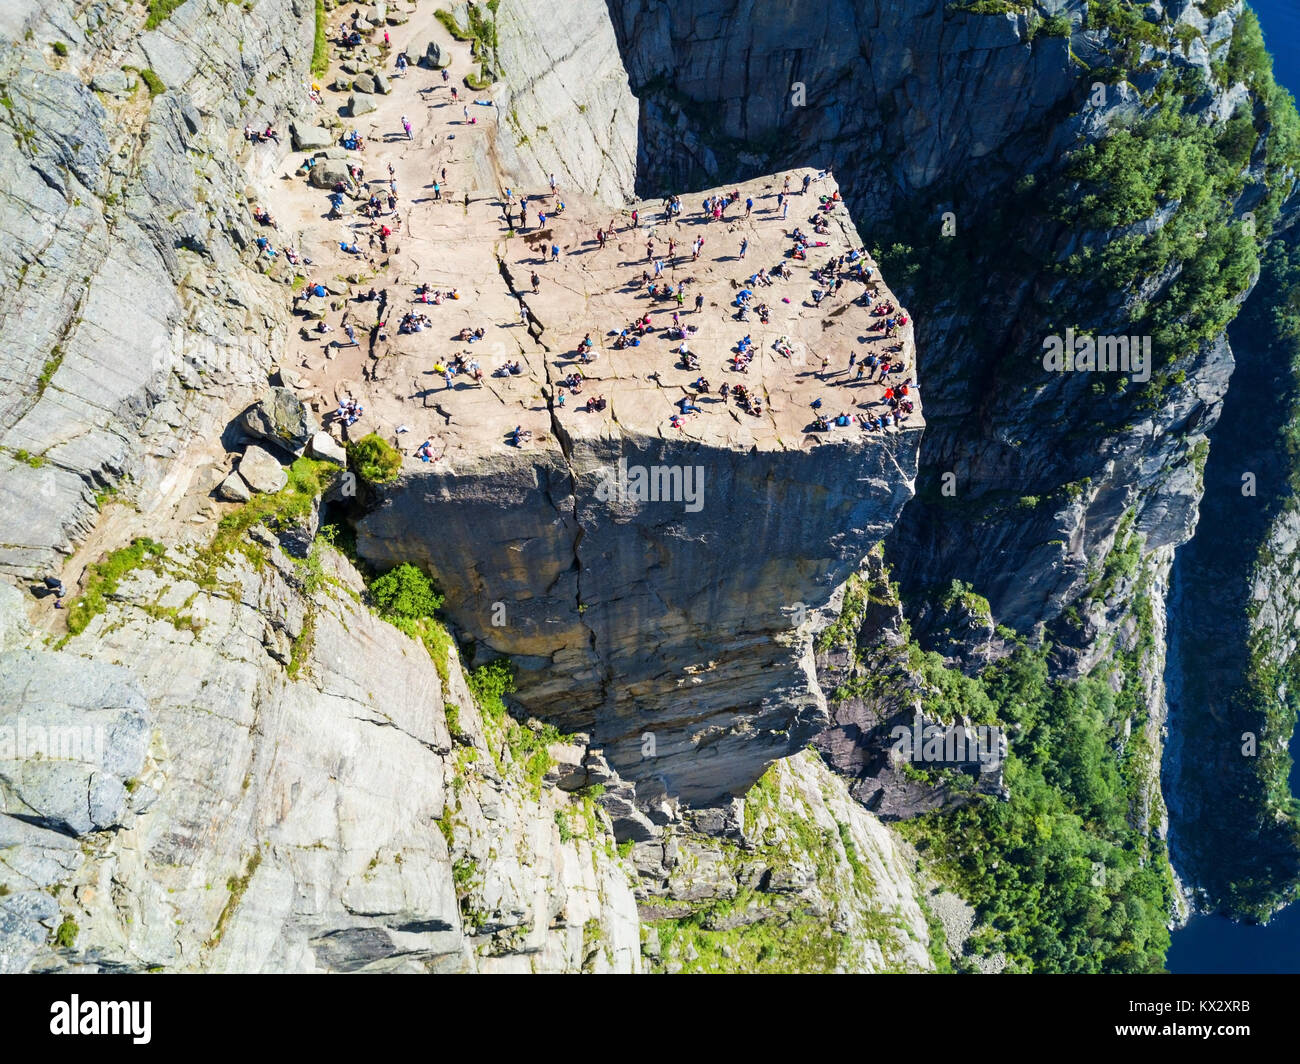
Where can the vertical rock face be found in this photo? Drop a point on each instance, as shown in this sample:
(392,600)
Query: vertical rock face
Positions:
(913,104)
(633,618)
(566,104)
(126,312)
(896,95)
(276,787)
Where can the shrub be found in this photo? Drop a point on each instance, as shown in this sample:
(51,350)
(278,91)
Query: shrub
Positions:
(405,592)
(60,49)
(153,82)
(374,459)
(66,936)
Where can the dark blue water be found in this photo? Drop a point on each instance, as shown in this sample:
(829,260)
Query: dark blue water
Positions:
(1211,943)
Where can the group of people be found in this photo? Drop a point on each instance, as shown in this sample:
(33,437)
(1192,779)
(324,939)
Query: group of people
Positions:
(261,136)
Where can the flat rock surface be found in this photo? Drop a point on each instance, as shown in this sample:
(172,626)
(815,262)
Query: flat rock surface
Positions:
(460,240)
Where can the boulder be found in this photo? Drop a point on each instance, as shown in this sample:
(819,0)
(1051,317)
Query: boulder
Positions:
(281,417)
(324,447)
(329,173)
(377,13)
(382,85)
(434,58)
(234,488)
(262,470)
(309,138)
(360,105)
(115,81)
(363,83)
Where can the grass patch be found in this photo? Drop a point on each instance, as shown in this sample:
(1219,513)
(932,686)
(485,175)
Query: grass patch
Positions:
(153,82)
(104,577)
(308,479)
(66,936)
(320,49)
(159,12)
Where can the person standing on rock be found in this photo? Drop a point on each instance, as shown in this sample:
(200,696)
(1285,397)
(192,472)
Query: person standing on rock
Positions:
(699,302)
(785,210)
(555,252)
(554,186)
(635,222)
(437,191)
(744,246)
(406,125)
(749,206)
(537,281)
(807,180)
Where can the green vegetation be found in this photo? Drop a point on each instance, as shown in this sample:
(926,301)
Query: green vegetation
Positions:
(320,50)
(60,49)
(153,82)
(236,885)
(66,935)
(48,370)
(103,577)
(1064,876)
(405,592)
(374,459)
(308,480)
(27,458)
(407,600)
(159,12)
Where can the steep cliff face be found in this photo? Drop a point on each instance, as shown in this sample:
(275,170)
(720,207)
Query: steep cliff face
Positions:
(930,116)
(275,779)
(280,781)
(129,322)
(569,110)
(635,618)
(1235,618)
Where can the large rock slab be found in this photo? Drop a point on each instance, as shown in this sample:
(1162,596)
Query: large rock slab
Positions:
(309,138)
(282,418)
(261,470)
(72,734)
(324,447)
(360,105)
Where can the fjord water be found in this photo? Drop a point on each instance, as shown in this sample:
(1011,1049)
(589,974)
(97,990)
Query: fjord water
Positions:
(1212,943)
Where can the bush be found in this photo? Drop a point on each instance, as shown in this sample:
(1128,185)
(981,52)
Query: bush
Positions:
(60,49)
(488,683)
(374,459)
(66,936)
(405,592)
(153,82)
